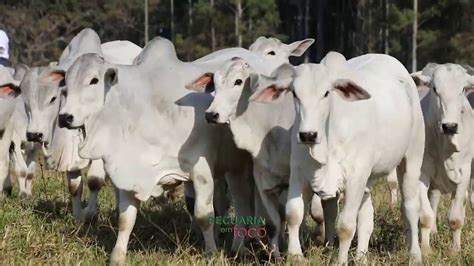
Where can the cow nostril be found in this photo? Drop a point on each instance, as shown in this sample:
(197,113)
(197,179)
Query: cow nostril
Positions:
(450,128)
(35,137)
(212,117)
(308,137)
(65,120)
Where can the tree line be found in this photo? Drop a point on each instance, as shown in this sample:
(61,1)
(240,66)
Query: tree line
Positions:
(439,31)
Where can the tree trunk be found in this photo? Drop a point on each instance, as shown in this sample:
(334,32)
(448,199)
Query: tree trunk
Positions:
(415,32)
(238,19)
(386,36)
(146,22)
(172,19)
(320,47)
(213,30)
(306,27)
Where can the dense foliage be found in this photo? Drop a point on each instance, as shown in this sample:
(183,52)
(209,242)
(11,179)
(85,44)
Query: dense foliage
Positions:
(40,29)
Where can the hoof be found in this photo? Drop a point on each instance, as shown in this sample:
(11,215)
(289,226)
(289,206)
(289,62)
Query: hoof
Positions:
(118,257)
(89,216)
(453,251)
(426,250)
(415,259)
(297,260)
(8,191)
(24,195)
(78,218)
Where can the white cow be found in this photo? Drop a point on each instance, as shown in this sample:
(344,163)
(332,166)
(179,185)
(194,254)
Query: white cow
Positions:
(159,131)
(9,92)
(276,51)
(259,130)
(43,98)
(360,119)
(448,154)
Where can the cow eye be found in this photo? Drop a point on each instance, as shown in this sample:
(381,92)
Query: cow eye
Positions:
(434,89)
(326,94)
(271,53)
(94,81)
(52,100)
(238,82)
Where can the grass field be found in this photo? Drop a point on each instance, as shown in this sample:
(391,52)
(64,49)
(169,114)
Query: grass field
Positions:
(40,230)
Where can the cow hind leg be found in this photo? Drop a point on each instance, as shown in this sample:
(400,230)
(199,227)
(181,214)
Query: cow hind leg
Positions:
(392,182)
(241,194)
(74,180)
(365,227)
(435,197)
(95,181)
(203,205)
(409,176)
(317,214)
(128,208)
(271,202)
(427,216)
(457,210)
(347,222)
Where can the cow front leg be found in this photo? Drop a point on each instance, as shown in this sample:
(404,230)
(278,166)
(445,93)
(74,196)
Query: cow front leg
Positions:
(128,208)
(95,181)
(347,222)
(295,214)
(74,180)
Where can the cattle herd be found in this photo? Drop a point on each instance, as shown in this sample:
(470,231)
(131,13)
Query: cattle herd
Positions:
(247,123)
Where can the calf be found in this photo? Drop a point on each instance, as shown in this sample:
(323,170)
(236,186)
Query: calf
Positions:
(259,130)
(360,119)
(448,156)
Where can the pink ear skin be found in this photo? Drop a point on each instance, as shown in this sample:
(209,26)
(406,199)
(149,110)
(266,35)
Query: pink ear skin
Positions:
(351,91)
(202,84)
(267,95)
(54,76)
(8,90)
(468,90)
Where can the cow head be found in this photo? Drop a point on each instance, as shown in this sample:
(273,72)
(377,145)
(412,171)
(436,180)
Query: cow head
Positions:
(9,90)
(274,50)
(88,79)
(231,85)
(450,85)
(41,94)
(315,87)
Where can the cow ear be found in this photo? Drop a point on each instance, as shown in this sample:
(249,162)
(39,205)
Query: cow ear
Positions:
(350,91)
(470,87)
(110,78)
(55,76)
(204,83)
(269,89)
(299,47)
(9,91)
(420,79)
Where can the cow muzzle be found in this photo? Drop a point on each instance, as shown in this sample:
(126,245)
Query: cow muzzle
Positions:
(65,120)
(449,128)
(34,137)
(212,117)
(308,137)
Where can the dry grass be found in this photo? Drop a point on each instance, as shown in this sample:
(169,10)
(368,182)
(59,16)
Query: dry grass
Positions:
(40,230)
